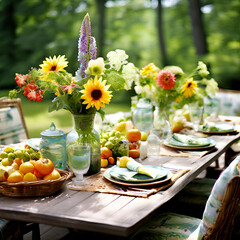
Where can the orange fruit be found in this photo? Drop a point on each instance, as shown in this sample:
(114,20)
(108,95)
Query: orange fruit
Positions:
(134,153)
(133,135)
(111,160)
(15,177)
(29,177)
(104,162)
(44,166)
(4,177)
(133,145)
(53,175)
(106,152)
(37,173)
(26,167)
(19,161)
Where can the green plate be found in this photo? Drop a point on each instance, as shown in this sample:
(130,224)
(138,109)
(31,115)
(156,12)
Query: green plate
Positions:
(178,145)
(124,174)
(222,128)
(137,184)
(175,142)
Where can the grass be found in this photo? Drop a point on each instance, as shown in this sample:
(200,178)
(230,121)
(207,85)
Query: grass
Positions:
(38,118)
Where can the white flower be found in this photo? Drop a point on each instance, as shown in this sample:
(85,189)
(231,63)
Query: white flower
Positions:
(147,91)
(117,58)
(202,69)
(212,86)
(95,67)
(129,73)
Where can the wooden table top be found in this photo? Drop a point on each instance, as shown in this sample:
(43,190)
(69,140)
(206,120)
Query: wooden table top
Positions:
(108,213)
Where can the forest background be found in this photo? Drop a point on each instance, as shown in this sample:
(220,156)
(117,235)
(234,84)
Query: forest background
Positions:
(165,32)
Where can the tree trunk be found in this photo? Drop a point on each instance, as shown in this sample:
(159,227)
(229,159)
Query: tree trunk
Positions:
(161,34)
(101,26)
(8,30)
(199,37)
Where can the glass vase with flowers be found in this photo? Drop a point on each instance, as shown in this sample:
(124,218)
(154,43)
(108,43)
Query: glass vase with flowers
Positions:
(169,89)
(83,94)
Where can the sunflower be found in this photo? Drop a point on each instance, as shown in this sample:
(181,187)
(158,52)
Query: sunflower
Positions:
(54,64)
(189,88)
(95,93)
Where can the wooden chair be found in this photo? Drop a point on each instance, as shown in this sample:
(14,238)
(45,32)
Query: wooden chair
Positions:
(218,217)
(13,129)
(13,126)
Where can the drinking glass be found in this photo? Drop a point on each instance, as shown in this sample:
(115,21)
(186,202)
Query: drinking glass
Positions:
(196,113)
(78,157)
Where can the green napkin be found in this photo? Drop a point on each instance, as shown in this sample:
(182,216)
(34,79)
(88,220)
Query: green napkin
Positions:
(139,168)
(216,127)
(191,140)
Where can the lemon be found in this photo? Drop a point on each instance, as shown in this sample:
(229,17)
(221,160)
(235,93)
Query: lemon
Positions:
(123,161)
(120,126)
(29,177)
(143,136)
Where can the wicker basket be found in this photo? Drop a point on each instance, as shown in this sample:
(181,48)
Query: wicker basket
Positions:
(36,188)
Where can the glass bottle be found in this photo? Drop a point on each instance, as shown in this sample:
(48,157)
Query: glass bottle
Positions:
(84,133)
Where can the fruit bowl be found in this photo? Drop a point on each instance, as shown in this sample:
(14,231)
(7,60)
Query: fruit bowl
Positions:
(35,188)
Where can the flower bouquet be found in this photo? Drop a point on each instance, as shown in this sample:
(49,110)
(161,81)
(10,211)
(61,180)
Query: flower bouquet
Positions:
(169,89)
(169,86)
(83,94)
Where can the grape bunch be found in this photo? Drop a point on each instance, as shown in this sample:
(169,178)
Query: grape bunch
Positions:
(114,141)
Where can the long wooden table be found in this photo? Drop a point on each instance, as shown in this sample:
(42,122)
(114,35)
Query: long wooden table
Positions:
(108,213)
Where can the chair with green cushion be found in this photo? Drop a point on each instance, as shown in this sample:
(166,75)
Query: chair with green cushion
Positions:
(13,130)
(218,218)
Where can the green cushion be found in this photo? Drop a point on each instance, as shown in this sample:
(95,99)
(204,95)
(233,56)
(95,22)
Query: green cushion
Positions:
(168,226)
(3,225)
(196,192)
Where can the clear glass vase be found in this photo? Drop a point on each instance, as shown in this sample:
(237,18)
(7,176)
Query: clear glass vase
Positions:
(161,124)
(84,133)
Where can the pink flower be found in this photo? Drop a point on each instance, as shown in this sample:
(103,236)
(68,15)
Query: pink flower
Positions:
(166,80)
(68,88)
(20,79)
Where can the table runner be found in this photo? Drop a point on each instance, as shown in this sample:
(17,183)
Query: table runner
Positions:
(97,183)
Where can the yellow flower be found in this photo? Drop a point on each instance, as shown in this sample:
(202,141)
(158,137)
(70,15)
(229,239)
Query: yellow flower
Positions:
(189,88)
(149,70)
(95,93)
(54,64)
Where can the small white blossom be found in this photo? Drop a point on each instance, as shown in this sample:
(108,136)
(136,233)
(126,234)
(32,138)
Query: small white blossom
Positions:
(96,67)
(202,69)
(130,75)
(117,58)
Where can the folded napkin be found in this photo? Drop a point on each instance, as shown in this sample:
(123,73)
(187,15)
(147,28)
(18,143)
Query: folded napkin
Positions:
(191,140)
(216,127)
(140,169)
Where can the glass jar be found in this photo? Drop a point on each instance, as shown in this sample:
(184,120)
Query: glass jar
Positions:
(84,133)
(143,115)
(53,146)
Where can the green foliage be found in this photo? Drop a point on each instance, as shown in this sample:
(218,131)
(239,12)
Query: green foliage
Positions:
(31,30)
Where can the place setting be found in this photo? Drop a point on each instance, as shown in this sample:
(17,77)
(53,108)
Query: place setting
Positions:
(217,128)
(131,178)
(189,142)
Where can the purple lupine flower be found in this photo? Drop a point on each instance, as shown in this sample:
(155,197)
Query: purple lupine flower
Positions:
(86,46)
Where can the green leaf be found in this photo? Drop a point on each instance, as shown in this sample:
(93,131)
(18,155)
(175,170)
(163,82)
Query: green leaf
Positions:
(117,82)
